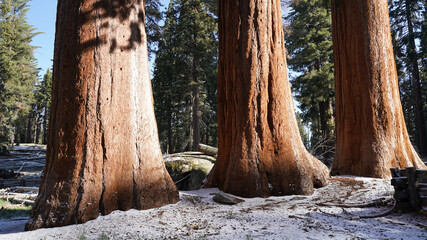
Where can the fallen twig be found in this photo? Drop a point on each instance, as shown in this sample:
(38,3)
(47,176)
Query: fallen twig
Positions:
(182,179)
(380,214)
(357,205)
(23,164)
(355,216)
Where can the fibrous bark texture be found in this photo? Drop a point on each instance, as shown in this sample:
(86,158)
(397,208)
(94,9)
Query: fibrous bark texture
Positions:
(103,149)
(260,149)
(371,131)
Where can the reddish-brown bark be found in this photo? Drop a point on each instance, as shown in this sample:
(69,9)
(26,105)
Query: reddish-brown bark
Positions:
(260,149)
(103,149)
(371,131)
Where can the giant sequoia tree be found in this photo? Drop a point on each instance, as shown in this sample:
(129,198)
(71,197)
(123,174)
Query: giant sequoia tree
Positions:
(103,149)
(260,149)
(371,131)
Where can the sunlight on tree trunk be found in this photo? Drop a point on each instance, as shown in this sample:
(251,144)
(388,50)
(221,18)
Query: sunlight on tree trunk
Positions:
(103,150)
(260,149)
(371,131)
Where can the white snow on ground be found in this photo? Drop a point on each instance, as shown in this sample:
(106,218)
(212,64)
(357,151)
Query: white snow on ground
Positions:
(292,217)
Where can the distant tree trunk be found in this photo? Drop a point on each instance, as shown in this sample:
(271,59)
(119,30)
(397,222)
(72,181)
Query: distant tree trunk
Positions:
(323,114)
(196,104)
(260,149)
(103,150)
(28,129)
(37,132)
(415,72)
(326,120)
(169,131)
(371,130)
(45,124)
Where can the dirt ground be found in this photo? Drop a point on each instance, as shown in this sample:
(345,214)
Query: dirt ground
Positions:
(27,160)
(327,214)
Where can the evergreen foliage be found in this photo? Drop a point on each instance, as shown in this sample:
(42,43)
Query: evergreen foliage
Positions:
(42,108)
(423,57)
(185,76)
(153,15)
(18,72)
(409,27)
(309,43)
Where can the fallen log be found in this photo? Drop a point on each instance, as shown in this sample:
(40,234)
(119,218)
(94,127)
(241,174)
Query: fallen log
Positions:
(208,150)
(21,189)
(9,195)
(22,201)
(25,159)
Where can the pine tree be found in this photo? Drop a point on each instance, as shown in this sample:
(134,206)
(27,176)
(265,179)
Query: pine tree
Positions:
(184,81)
(423,56)
(406,27)
(18,72)
(153,16)
(309,44)
(42,107)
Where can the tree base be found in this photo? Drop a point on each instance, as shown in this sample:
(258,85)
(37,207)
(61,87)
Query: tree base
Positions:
(279,179)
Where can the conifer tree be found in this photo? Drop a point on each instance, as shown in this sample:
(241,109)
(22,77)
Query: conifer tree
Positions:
(423,56)
(309,44)
(406,25)
(43,101)
(153,16)
(18,72)
(184,81)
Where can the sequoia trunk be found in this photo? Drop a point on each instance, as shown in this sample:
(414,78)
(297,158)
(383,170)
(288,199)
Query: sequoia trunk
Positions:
(260,149)
(103,150)
(371,131)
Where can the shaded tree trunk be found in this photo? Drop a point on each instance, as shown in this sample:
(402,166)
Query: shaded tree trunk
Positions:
(196,104)
(28,128)
(45,125)
(326,120)
(103,150)
(170,147)
(260,149)
(37,132)
(371,131)
(415,73)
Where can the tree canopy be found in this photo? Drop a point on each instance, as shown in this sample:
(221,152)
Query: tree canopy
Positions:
(18,71)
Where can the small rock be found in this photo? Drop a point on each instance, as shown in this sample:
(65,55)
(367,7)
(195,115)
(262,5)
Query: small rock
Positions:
(223,198)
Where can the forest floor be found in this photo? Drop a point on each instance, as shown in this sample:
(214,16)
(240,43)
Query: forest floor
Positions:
(329,213)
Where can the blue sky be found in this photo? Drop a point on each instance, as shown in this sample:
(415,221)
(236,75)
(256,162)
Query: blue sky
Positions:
(42,15)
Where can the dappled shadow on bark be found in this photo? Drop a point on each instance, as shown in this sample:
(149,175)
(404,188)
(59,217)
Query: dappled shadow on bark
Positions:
(118,10)
(103,152)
